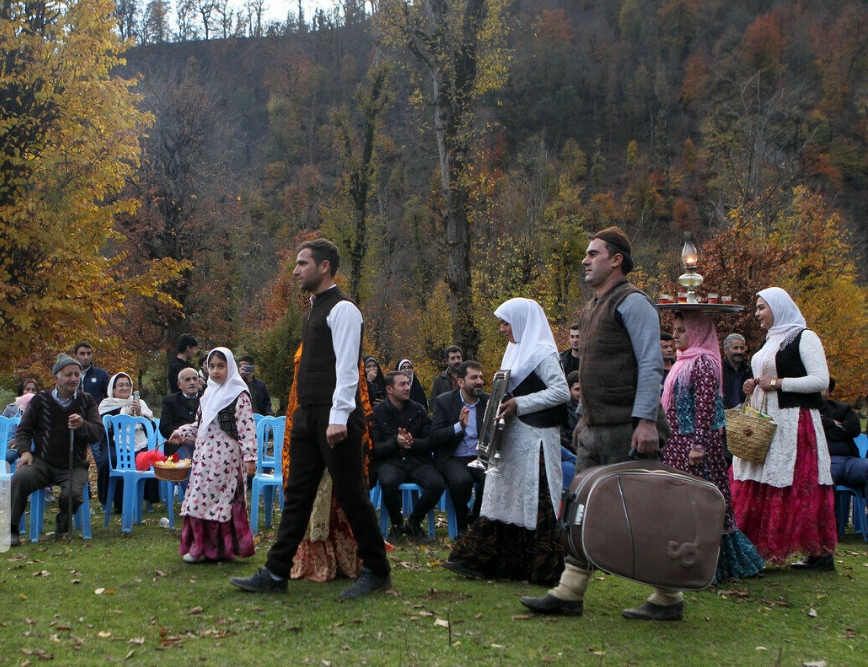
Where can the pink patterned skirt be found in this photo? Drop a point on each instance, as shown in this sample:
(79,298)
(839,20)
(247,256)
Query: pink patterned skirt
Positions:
(797,519)
(220,540)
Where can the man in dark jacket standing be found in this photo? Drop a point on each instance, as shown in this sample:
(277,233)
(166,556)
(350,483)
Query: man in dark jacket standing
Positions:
(448,379)
(402,453)
(46,424)
(259,395)
(455,432)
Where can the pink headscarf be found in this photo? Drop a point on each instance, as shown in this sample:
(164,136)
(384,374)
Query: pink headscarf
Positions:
(703,342)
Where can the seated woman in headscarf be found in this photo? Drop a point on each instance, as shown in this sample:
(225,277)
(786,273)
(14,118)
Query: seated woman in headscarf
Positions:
(216,526)
(120,401)
(376,380)
(27,389)
(417,393)
(516,536)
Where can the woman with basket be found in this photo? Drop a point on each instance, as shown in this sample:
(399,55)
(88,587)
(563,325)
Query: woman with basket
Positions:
(694,408)
(216,526)
(786,504)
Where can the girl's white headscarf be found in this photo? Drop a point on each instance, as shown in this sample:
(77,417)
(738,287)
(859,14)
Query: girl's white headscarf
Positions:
(788,321)
(218,396)
(533,338)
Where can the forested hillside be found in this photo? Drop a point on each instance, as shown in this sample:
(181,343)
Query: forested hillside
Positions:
(459,156)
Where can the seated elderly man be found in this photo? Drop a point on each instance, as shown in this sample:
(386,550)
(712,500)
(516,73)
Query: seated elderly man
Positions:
(46,425)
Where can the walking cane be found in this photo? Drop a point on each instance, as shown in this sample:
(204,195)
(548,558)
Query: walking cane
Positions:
(71,451)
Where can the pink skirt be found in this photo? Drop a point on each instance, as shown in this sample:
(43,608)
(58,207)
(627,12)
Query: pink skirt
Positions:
(797,519)
(220,540)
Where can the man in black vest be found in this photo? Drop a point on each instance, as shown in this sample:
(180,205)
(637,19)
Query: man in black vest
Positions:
(327,430)
(455,435)
(620,370)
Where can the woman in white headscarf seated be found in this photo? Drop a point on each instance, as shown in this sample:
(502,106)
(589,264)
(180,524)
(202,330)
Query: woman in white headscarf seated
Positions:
(516,536)
(120,401)
(216,526)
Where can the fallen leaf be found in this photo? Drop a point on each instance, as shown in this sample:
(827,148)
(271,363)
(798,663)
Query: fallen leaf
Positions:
(816,663)
(812,613)
(21,596)
(137,640)
(426,613)
(761,648)
(129,655)
(521,617)
(496,646)
(195,610)
(327,663)
(104,634)
(442,622)
(99,591)
(478,617)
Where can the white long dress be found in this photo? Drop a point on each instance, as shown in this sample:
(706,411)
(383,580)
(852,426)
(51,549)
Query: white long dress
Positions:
(512,497)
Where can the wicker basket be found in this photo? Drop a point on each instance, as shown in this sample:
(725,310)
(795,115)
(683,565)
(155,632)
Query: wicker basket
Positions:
(171,474)
(748,437)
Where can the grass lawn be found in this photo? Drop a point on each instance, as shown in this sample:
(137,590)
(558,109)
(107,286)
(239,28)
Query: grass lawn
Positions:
(131,600)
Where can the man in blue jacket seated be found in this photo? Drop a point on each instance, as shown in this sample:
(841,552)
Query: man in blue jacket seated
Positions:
(402,453)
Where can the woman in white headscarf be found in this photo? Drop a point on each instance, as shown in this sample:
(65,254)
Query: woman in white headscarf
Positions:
(216,526)
(785,506)
(121,401)
(516,536)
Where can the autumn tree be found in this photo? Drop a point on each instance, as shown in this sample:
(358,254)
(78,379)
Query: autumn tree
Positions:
(460,47)
(356,137)
(804,249)
(191,210)
(69,133)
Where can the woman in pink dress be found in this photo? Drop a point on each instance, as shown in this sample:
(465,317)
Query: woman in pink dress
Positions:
(216,526)
(694,409)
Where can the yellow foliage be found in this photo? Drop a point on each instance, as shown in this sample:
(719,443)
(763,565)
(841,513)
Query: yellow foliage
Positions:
(67,145)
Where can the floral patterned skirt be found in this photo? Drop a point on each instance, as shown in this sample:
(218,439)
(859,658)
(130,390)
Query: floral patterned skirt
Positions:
(220,540)
(334,556)
(797,519)
(505,551)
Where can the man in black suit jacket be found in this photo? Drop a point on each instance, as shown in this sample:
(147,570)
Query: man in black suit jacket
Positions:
(180,408)
(455,433)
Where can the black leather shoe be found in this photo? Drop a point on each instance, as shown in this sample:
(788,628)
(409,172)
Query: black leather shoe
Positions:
(416,533)
(460,569)
(367,583)
(648,611)
(824,563)
(550,605)
(261,582)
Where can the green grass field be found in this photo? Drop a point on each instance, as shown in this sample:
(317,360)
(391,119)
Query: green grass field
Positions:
(131,600)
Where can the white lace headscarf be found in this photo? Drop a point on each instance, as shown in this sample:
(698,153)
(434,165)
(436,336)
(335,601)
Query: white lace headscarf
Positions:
(218,396)
(533,338)
(788,321)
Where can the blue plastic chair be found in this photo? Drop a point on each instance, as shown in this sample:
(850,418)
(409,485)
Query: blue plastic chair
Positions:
(81,519)
(7,426)
(268,429)
(123,430)
(451,517)
(409,495)
(861,441)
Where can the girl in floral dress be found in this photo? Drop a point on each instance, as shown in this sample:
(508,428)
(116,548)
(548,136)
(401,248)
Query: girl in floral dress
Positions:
(216,526)
(694,408)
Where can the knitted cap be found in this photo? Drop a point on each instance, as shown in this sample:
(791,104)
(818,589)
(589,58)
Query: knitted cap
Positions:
(63,360)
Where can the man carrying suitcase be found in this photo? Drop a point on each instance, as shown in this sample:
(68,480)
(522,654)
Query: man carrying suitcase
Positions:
(621,370)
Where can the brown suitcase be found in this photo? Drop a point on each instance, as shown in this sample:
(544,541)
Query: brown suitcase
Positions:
(645,522)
